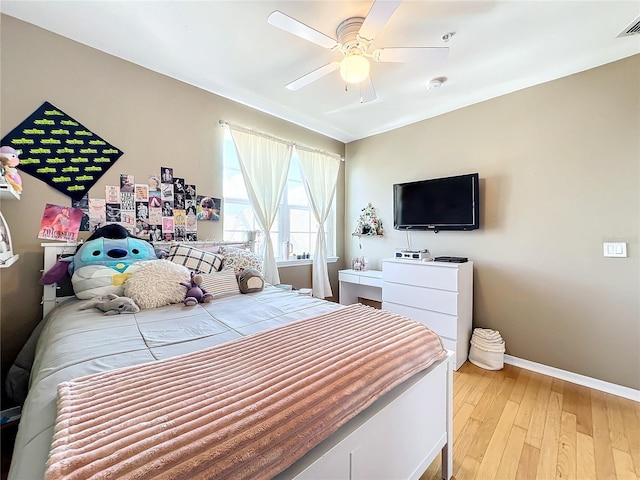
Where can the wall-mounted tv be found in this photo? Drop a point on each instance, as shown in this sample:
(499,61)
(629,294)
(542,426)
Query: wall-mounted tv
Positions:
(450,203)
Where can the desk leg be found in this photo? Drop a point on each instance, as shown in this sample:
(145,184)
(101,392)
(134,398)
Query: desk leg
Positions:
(348,293)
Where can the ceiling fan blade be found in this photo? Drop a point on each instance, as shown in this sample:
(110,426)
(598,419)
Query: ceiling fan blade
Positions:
(377,18)
(367,92)
(408,54)
(318,73)
(291,25)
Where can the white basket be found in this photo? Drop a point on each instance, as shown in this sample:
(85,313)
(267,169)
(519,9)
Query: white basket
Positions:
(487,349)
(489,359)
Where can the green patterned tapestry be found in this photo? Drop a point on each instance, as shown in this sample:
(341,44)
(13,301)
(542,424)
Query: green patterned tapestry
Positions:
(60,151)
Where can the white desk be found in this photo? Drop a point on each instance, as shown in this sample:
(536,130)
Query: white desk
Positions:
(360,283)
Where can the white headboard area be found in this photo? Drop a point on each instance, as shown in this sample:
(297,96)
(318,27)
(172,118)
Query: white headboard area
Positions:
(53,251)
(51,296)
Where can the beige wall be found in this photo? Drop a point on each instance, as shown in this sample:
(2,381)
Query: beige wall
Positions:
(559,169)
(154,119)
(559,165)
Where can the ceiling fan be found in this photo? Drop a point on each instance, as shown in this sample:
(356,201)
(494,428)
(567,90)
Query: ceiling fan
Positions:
(354,36)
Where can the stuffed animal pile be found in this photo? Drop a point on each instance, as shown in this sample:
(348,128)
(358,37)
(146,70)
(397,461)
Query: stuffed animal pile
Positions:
(120,273)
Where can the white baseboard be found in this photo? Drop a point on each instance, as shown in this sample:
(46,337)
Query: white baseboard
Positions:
(583,380)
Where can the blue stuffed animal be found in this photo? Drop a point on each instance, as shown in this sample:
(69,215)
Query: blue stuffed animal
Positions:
(102,263)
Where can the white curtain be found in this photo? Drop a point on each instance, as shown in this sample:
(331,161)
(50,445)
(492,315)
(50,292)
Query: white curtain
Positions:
(264,162)
(320,175)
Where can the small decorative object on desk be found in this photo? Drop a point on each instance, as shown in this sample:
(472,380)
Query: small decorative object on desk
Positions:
(360,263)
(368,222)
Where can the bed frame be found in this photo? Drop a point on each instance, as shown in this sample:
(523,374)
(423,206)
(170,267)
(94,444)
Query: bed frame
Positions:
(397,437)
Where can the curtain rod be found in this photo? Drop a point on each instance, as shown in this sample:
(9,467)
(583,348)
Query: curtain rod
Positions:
(277,139)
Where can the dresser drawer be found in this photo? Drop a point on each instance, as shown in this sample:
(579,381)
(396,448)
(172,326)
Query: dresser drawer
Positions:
(372,281)
(426,298)
(348,277)
(421,274)
(444,325)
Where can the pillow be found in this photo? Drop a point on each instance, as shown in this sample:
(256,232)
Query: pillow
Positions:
(250,280)
(220,284)
(195,259)
(236,258)
(216,248)
(157,283)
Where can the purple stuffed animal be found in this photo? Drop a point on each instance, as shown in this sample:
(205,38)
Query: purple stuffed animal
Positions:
(195,293)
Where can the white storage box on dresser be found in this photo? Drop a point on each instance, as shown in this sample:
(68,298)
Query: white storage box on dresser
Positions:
(438,294)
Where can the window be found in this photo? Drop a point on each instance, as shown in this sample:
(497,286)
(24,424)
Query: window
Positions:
(295,226)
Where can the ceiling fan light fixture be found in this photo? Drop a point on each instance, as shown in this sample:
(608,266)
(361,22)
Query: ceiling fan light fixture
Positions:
(354,68)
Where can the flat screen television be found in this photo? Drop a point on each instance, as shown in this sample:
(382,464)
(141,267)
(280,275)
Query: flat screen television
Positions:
(450,203)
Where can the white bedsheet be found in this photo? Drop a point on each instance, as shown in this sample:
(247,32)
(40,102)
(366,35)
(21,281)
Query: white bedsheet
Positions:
(76,342)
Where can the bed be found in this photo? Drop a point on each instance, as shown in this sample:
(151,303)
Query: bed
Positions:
(396,436)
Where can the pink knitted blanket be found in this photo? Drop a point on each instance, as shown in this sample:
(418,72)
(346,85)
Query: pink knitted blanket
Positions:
(245,409)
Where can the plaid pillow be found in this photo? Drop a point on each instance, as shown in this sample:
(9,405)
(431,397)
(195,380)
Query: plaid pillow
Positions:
(220,283)
(195,259)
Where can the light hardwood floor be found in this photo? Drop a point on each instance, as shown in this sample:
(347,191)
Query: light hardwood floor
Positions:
(518,424)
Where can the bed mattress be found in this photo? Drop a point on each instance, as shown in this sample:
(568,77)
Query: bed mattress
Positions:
(245,410)
(75,343)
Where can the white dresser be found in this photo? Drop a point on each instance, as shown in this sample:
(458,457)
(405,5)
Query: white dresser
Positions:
(438,294)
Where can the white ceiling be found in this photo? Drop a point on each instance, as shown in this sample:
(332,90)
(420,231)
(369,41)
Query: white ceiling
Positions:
(227,47)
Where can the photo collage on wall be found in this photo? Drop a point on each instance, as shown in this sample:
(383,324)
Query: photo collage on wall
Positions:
(165,208)
(63,153)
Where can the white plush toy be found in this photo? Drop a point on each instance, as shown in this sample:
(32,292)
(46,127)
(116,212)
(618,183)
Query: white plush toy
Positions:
(111,304)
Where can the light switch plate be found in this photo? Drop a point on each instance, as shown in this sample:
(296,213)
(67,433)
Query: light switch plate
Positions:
(615,249)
